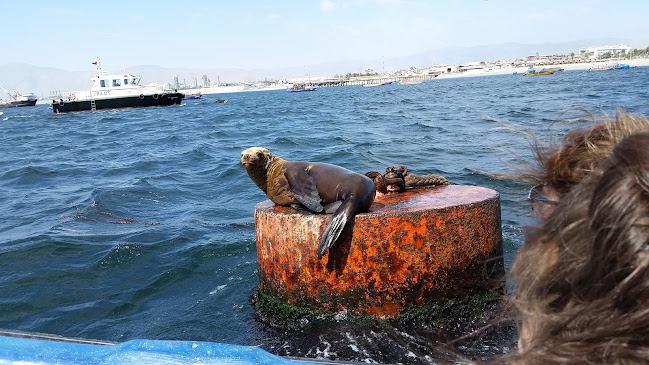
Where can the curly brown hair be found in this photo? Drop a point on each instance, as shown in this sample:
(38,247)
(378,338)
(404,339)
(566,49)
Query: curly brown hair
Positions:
(563,166)
(582,276)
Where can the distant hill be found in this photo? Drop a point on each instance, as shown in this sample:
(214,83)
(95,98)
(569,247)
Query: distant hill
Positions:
(39,80)
(44,80)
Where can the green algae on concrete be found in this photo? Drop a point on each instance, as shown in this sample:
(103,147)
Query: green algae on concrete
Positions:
(279,314)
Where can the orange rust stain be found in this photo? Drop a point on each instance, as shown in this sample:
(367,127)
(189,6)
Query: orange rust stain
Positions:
(407,249)
(386,310)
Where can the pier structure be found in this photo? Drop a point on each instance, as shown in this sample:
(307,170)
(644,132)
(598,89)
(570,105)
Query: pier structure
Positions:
(311,83)
(368,80)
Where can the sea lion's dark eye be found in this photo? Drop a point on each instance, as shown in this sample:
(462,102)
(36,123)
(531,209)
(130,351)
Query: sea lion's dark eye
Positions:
(246,156)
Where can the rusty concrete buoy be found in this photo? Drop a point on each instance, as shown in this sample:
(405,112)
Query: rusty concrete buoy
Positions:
(410,249)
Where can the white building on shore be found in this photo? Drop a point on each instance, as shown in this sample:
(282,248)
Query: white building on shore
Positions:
(598,51)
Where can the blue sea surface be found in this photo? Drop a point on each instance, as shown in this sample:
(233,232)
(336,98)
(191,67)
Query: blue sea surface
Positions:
(138,223)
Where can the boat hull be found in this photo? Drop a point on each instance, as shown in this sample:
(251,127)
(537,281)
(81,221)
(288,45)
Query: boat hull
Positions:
(26,348)
(539,73)
(63,106)
(17,104)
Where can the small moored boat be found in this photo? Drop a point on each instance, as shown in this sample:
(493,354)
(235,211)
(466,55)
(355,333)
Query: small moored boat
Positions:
(301,87)
(609,67)
(113,91)
(193,96)
(544,71)
(18,100)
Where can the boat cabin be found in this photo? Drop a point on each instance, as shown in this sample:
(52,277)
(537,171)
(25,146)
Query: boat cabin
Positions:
(113,82)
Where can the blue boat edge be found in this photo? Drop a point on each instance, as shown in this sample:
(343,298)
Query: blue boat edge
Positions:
(16,346)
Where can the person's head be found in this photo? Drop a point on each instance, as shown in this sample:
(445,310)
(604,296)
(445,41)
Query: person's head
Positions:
(559,168)
(582,275)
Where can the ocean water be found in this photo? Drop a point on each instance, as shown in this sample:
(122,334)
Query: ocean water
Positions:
(138,223)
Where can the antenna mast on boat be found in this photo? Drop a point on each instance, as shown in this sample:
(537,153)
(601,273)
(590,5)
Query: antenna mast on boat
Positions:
(7,92)
(98,64)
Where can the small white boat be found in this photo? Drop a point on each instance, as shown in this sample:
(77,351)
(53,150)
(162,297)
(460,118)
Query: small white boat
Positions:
(296,88)
(194,96)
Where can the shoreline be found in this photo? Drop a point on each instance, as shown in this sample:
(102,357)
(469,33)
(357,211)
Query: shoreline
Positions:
(636,62)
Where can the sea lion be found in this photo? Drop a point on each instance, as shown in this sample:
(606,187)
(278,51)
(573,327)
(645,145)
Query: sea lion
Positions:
(395,176)
(393,181)
(320,187)
(398,180)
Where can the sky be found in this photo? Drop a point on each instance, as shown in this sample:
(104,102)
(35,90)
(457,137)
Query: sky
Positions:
(255,34)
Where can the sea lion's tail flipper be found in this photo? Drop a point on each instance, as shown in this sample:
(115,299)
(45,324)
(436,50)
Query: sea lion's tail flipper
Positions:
(336,224)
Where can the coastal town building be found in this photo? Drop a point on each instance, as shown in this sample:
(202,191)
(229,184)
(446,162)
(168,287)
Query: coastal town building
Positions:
(472,67)
(598,51)
(443,68)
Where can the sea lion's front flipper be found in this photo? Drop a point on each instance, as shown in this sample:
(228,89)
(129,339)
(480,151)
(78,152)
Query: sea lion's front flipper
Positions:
(336,225)
(304,189)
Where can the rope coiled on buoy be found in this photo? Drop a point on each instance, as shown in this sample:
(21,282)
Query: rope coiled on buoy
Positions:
(414,181)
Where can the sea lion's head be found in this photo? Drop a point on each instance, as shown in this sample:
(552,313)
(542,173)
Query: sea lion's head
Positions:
(395,179)
(256,161)
(379,181)
(256,158)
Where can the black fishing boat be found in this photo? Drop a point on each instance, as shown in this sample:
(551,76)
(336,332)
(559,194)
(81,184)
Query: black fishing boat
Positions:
(18,100)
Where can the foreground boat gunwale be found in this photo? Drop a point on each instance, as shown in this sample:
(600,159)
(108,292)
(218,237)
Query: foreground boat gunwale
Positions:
(45,348)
